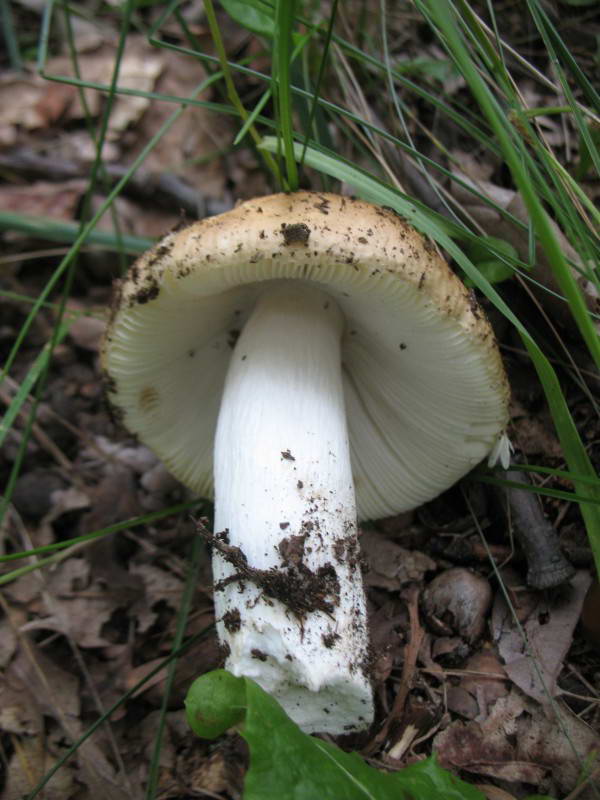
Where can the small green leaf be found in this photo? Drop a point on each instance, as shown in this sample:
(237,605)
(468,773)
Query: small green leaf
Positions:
(495,271)
(252,15)
(440,69)
(290,765)
(214,703)
(482,253)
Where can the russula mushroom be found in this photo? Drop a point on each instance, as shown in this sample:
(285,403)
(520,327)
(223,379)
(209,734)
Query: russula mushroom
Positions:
(306,358)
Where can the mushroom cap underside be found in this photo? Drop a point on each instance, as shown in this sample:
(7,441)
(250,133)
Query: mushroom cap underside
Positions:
(425,390)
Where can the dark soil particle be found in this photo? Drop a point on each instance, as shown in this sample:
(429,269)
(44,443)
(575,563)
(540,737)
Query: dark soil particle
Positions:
(300,589)
(224,651)
(329,639)
(232,620)
(109,384)
(291,549)
(298,233)
(160,252)
(147,294)
(474,305)
(223,536)
(115,412)
(256,653)
(346,550)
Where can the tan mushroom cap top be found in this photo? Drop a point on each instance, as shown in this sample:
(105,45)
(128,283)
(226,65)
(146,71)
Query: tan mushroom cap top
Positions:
(425,390)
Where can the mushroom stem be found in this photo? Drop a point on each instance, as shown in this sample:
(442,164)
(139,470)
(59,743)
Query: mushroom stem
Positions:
(289,598)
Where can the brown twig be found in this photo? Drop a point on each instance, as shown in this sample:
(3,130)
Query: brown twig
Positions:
(165,190)
(411,652)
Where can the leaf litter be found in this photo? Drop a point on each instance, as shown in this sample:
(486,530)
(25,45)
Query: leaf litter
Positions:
(76,636)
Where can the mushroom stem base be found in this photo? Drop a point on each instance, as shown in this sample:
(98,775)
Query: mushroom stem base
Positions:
(289,598)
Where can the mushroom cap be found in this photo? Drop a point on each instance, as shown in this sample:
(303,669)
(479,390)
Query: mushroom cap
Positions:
(425,390)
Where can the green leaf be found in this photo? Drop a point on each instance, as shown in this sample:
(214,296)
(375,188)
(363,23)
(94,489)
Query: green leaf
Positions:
(482,252)
(440,69)
(290,765)
(252,15)
(494,271)
(215,702)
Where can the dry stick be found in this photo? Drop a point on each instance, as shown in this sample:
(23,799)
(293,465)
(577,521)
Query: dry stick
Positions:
(547,567)
(411,651)
(165,190)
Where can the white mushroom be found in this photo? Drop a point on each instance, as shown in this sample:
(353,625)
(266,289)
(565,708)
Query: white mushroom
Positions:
(290,355)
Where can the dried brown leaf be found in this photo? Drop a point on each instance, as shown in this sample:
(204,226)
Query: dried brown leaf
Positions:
(28,764)
(42,199)
(392,566)
(485,747)
(78,606)
(534,664)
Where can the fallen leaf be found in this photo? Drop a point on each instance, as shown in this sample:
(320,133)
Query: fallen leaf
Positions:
(42,199)
(23,103)
(534,663)
(26,767)
(140,66)
(569,746)
(196,133)
(86,332)
(494,792)
(534,437)
(8,634)
(486,748)
(159,585)
(78,607)
(392,566)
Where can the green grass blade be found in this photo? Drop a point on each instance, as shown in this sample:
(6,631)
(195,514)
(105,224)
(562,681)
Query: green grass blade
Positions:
(565,54)
(282,60)
(34,372)
(126,525)
(11,40)
(232,94)
(320,75)
(62,231)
